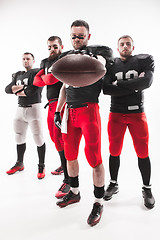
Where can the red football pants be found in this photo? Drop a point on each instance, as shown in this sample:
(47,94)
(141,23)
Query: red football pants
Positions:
(138,128)
(54,132)
(84,121)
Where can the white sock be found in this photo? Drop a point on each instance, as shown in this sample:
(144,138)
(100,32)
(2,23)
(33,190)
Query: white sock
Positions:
(99,200)
(145,186)
(75,190)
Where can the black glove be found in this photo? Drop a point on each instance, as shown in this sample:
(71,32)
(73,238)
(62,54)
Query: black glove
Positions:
(57,120)
(83,51)
(103,51)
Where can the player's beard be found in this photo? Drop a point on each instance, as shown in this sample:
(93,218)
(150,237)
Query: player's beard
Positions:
(126,53)
(53,56)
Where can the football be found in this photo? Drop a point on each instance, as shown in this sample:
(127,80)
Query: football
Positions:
(78,70)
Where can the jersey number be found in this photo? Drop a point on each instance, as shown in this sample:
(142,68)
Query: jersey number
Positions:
(23,82)
(127,75)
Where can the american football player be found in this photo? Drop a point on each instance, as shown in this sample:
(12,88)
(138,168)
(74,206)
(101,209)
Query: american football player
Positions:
(126,80)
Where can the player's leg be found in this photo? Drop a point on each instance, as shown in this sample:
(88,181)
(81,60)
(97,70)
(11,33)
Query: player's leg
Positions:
(91,129)
(138,128)
(55,134)
(65,187)
(98,181)
(116,130)
(20,129)
(71,146)
(35,122)
(56,137)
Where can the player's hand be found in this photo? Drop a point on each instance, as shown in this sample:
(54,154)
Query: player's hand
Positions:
(85,51)
(57,120)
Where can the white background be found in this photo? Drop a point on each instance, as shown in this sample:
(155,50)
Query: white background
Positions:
(28,207)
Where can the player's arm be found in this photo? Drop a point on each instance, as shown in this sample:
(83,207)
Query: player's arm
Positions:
(61,98)
(143,81)
(30,89)
(41,79)
(60,104)
(24,91)
(109,88)
(145,78)
(17,88)
(103,53)
(12,87)
(38,81)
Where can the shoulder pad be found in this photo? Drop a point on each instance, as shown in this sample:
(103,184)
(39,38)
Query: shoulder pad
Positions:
(65,53)
(18,73)
(44,60)
(102,50)
(35,70)
(143,56)
(42,64)
(148,61)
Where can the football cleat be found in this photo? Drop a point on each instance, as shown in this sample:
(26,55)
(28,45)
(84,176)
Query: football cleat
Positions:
(95,214)
(111,189)
(58,171)
(63,190)
(149,200)
(69,199)
(41,171)
(17,167)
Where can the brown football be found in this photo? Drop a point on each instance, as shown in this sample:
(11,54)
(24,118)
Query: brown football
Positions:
(78,70)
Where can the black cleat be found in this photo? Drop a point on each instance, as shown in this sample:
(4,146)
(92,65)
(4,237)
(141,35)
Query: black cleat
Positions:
(149,200)
(111,189)
(69,199)
(58,171)
(95,214)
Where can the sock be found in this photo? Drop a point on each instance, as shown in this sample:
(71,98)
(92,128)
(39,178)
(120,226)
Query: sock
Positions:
(98,193)
(74,183)
(147,187)
(75,190)
(145,169)
(20,152)
(41,154)
(99,200)
(113,182)
(114,163)
(64,166)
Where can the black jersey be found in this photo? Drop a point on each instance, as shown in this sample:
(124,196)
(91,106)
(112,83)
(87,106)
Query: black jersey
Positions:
(26,79)
(89,93)
(127,96)
(52,90)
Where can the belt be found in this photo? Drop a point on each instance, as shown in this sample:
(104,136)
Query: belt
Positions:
(25,106)
(49,102)
(78,105)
